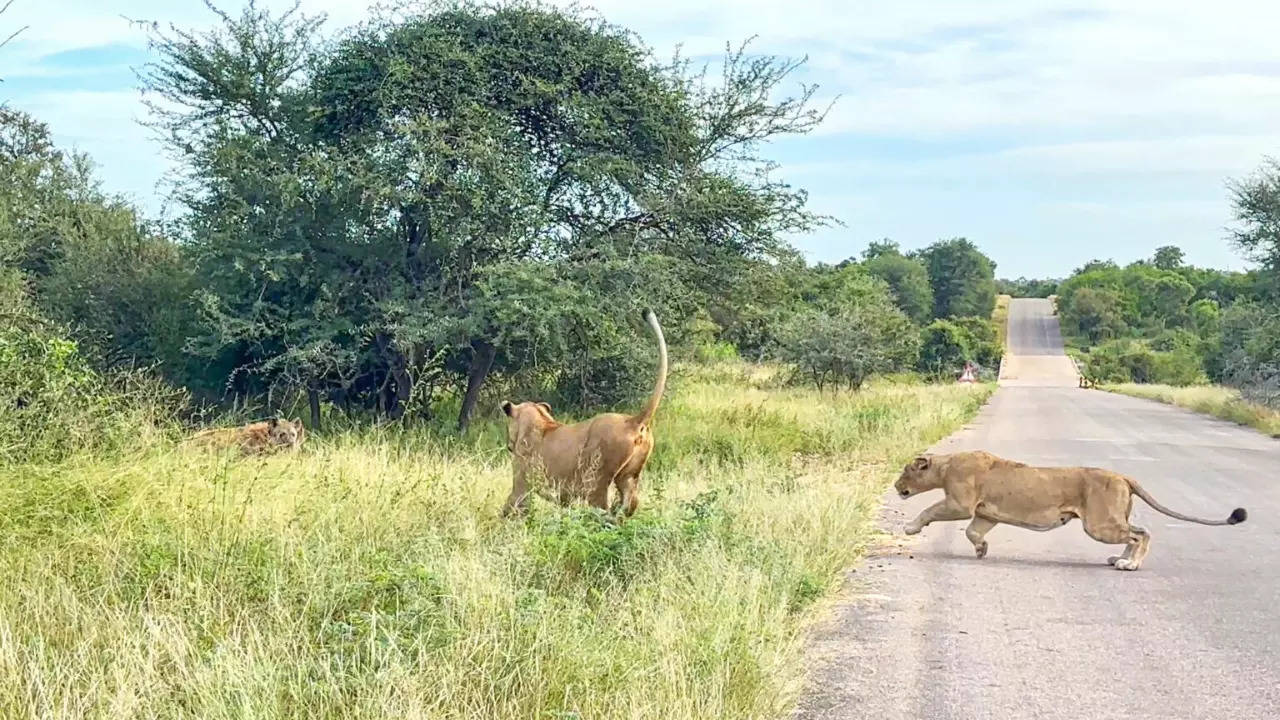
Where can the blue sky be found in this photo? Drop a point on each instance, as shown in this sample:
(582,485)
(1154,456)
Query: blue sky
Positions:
(1049,133)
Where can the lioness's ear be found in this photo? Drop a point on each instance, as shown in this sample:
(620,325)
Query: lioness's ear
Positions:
(506,407)
(546,407)
(921,462)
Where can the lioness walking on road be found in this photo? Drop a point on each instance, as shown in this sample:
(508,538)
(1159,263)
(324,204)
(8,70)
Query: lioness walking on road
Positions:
(580,461)
(992,490)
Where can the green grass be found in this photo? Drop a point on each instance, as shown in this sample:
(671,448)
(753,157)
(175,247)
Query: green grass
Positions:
(370,576)
(1212,400)
(1000,315)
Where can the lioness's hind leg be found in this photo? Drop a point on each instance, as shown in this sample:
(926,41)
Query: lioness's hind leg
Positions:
(599,496)
(1136,551)
(976,532)
(628,494)
(1128,553)
(1114,532)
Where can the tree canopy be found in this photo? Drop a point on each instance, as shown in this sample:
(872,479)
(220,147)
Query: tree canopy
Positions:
(1256,202)
(963,279)
(907,279)
(376,212)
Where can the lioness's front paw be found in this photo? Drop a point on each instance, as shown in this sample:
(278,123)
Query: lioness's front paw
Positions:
(1114,559)
(912,529)
(980,550)
(1124,564)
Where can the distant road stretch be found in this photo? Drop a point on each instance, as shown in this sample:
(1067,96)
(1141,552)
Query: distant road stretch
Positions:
(1035,356)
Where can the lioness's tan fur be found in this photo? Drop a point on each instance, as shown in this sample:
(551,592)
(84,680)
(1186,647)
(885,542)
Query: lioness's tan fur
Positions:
(255,438)
(993,490)
(580,461)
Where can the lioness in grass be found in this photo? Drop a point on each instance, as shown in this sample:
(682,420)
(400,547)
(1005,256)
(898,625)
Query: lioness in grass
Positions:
(580,461)
(255,438)
(992,490)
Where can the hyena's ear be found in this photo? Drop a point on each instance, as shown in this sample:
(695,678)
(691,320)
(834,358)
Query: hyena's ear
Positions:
(546,407)
(922,462)
(297,422)
(506,407)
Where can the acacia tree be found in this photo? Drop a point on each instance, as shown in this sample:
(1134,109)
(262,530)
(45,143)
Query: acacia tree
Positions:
(282,300)
(1256,201)
(349,202)
(843,328)
(847,346)
(1168,257)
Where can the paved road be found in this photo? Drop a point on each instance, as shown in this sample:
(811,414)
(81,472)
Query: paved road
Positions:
(1043,628)
(1035,356)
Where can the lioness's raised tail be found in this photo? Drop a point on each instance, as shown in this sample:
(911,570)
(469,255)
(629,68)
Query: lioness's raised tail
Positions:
(645,415)
(1236,517)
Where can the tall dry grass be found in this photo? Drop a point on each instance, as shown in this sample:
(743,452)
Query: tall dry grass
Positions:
(1215,400)
(369,576)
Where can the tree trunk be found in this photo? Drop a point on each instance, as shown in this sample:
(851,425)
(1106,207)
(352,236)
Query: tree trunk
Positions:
(481,362)
(397,386)
(313,401)
(404,386)
(384,395)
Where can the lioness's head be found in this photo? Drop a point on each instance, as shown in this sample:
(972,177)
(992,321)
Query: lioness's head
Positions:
(918,476)
(285,433)
(523,419)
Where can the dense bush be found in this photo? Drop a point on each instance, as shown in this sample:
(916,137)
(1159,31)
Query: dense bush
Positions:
(847,347)
(1179,366)
(1162,321)
(1118,361)
(946,345)
(1205,317)
(1092,313)
(1122,361)
(982,337)
(944,348)
(1245,353)
(609,376)
(52,403)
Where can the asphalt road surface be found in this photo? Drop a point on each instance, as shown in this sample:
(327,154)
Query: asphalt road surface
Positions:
(1043,627)
(1035,355)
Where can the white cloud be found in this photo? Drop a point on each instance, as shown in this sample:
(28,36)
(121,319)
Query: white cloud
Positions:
(1215,154)
(905,69)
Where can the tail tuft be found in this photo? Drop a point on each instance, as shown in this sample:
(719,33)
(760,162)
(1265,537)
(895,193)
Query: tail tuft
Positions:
(1238,516)
(645,314)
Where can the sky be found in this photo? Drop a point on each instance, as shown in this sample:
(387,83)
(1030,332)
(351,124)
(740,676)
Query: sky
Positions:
(1047,132)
